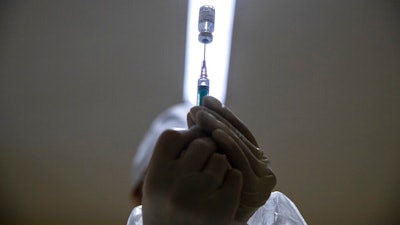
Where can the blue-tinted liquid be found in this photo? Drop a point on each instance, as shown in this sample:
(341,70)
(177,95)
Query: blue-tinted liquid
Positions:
(201,92)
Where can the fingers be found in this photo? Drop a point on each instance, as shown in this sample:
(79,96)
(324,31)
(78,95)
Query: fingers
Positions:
(232,150)
(208,180)
(209,123)
(232,187)
(216,168)
(192,116)
(171,143)
(190,120)
(216,106)
(197,154)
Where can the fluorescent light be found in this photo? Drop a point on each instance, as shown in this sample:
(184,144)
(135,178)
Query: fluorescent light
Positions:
(217,54)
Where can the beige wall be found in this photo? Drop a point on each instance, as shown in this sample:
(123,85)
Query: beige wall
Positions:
(80,81)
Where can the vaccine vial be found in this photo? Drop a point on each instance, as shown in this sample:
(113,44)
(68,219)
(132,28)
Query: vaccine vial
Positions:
(206,23)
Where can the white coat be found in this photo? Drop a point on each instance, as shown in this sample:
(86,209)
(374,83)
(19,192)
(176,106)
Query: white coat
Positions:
(278,210)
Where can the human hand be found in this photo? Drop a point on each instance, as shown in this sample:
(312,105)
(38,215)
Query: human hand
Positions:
(188,183)
(242,150)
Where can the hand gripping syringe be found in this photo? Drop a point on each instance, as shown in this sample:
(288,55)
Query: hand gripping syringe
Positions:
(206,28)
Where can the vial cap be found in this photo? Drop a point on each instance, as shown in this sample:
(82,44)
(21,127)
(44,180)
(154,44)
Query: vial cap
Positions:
(205,37)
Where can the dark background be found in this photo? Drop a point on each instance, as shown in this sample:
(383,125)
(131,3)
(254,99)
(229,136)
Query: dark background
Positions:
(317,81)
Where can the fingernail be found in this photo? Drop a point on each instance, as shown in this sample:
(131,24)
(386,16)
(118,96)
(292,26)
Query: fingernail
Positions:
(216,102)
(193,111)
(210,117)
(211,101)
(204,113)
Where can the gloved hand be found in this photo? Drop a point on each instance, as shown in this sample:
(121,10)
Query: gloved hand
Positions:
(242,150)
(188,183)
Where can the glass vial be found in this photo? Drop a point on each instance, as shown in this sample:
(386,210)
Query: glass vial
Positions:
(206,23)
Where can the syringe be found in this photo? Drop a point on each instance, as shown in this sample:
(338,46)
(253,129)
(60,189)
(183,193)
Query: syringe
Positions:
(206,27)
(203,84)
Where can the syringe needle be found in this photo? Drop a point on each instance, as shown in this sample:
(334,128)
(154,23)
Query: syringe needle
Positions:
(206,27)
(204,53)
(204,67)
(203,73)
(203,84)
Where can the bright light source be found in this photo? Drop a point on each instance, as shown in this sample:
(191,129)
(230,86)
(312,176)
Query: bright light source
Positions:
(217,54)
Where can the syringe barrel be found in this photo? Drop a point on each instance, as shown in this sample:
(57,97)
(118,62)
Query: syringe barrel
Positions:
(203,88)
